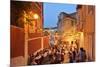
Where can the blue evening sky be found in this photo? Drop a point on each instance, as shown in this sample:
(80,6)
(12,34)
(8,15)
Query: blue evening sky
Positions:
(52,10)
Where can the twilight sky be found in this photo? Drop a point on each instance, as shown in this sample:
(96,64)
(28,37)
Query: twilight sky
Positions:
(52,10)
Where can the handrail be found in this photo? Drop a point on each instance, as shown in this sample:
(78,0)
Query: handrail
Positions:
(37,38)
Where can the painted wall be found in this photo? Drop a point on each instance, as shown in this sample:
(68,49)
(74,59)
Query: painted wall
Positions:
(17,41)
(34,45)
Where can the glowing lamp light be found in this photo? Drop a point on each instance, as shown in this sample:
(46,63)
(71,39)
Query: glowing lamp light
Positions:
(36,16)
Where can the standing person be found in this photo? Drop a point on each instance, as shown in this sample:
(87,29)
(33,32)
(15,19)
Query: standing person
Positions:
(74,46)
(82,55)
(70,57)
(74,56)
(66,56)
(77,44)
(52,40)
(56,38)
(57,57)
(77,55)
(71,46)
(62,55)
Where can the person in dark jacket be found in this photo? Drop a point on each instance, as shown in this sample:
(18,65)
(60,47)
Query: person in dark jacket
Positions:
(82,55)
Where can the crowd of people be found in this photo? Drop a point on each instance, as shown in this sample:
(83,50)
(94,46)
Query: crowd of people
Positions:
(58,54)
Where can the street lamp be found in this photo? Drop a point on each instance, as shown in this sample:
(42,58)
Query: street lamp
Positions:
(35,16)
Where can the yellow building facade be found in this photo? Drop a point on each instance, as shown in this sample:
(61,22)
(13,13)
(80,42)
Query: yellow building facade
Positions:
(66,26)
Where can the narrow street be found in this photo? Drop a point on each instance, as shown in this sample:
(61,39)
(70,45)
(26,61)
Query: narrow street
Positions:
(51,33)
